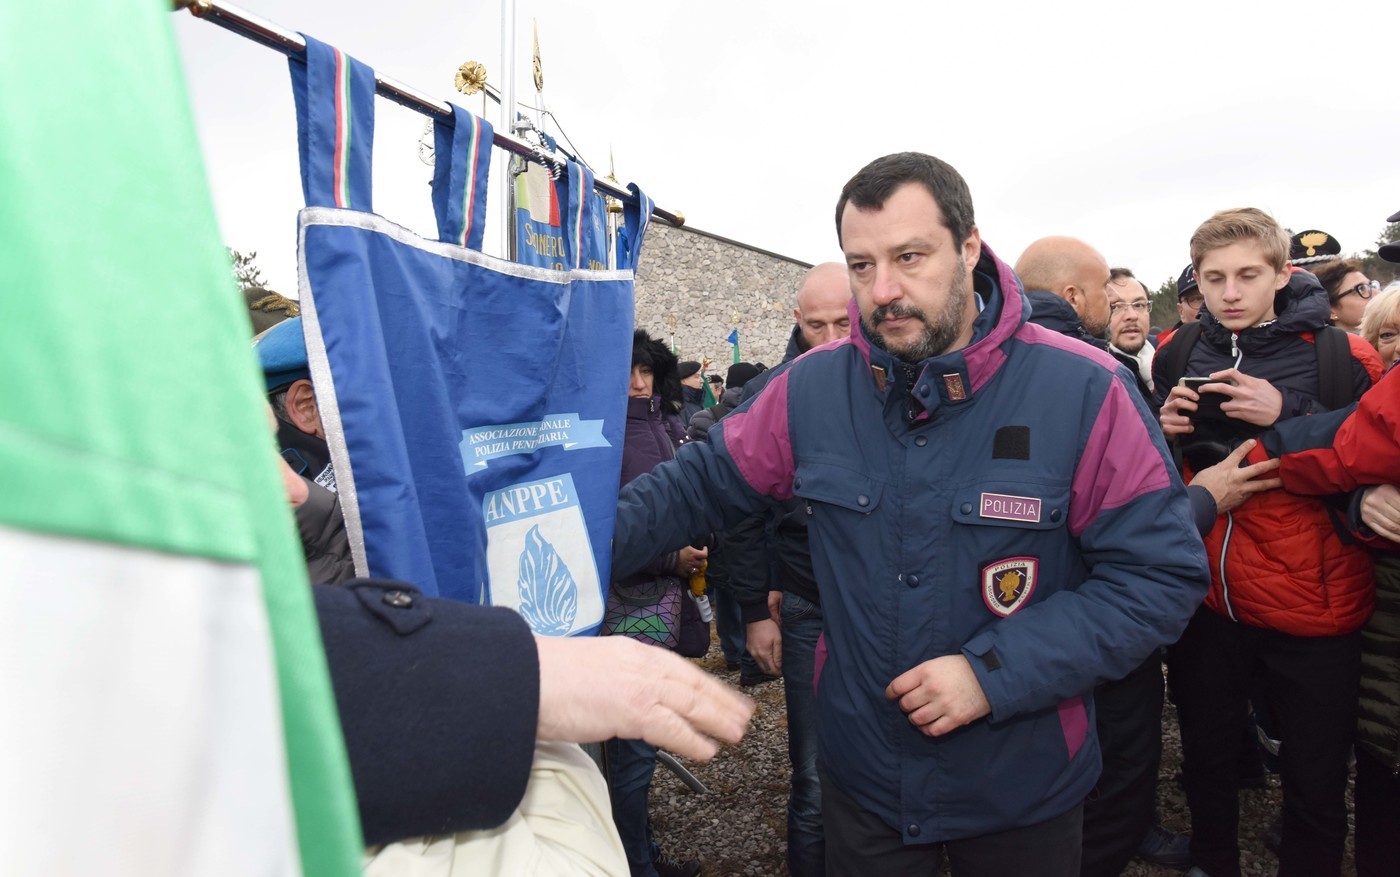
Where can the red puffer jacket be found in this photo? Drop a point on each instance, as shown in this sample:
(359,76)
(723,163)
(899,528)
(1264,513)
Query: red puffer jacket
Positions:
(1277,561)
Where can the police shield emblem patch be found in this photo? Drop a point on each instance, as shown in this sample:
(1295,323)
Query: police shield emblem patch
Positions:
(1007,584)
(539,558)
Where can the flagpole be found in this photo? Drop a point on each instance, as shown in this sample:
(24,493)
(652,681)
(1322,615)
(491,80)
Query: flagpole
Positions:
(273,36)
(507,124)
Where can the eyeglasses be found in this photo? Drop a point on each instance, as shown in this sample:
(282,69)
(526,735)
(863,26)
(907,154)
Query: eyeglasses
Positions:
(1141,307)
(1194,301)
(1364,290)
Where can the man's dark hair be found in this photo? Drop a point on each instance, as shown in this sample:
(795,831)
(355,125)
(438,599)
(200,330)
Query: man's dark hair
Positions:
(1117,274)
(876,182)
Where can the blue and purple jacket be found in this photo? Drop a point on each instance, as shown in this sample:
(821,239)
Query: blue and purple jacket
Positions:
(1027,517)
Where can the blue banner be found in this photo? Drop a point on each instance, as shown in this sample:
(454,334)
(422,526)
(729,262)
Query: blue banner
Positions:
(474,408)
(334,96)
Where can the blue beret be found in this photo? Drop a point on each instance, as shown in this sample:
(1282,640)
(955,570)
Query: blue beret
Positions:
(282,353)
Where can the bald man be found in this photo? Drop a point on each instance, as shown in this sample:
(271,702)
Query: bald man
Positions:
(1066,281)
(821,311)
(784,622)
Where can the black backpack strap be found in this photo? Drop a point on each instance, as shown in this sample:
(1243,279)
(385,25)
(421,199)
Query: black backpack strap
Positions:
(1178,351)
(1173,357)
(1333,368)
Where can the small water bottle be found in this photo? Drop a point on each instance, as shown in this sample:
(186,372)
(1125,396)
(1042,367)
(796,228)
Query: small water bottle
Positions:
(697,590)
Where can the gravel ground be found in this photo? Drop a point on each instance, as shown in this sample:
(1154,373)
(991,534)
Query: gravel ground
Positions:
(739,827)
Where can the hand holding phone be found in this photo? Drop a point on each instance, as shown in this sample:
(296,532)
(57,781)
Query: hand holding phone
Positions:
(1208,401)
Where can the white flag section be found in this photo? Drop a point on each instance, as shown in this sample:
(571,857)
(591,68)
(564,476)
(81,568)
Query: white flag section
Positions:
(142,701)
(165,707)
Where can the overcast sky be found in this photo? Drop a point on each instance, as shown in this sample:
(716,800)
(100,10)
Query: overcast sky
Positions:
(1123,124)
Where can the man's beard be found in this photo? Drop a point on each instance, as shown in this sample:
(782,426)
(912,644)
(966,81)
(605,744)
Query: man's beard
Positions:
(1132,351)
(937,336)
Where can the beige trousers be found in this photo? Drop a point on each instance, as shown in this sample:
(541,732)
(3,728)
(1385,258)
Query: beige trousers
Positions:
(563,826)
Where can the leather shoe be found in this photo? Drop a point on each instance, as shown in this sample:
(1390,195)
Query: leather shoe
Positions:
(748,680)
(1165,848)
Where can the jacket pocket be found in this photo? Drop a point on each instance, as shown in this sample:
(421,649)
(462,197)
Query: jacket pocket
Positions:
(836,485)
(1013,546)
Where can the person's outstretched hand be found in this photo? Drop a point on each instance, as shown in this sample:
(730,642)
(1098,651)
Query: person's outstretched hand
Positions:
(597,688)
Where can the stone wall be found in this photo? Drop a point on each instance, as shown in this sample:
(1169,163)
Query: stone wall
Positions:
(698,286)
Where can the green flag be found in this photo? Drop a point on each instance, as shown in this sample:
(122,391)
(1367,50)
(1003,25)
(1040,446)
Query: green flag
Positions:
(168,709)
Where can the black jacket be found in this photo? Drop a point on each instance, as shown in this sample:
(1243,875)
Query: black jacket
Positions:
(324,540)
(770,551)
(439,703)
(705,418)
(694,402)
(1131,364)
(1057,315)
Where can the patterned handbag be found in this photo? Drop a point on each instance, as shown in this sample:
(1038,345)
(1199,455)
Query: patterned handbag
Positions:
(648,611)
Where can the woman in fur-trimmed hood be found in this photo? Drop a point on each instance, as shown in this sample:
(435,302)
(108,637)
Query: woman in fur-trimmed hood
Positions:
(665,392)
(653,431)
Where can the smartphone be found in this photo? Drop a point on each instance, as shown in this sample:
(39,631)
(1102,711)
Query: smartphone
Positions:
(1195,384)
(1208,406)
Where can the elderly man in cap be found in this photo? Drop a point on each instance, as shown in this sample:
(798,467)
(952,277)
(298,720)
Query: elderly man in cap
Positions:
(307,472)
(1188,304)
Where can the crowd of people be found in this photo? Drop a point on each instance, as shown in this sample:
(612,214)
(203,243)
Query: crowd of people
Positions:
(1142,513)
(965,520)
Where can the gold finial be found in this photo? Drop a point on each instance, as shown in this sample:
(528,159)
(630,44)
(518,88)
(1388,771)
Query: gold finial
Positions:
(680,219)
(471,77)
(539,68)
(614,205)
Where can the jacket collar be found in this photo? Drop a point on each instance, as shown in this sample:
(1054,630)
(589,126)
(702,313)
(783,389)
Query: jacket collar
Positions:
(1301,306)
(954,378)
(796,346)
(644,409)
(1057,315)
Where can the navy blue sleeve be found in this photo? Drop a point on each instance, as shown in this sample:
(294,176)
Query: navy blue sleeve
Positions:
(1203,510)
(439,705)
(1305,433)
(681,501)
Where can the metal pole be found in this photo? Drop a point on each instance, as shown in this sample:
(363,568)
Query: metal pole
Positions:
(507,124)
(260,30)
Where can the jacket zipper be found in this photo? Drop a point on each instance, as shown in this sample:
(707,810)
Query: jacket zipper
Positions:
(1224,550)
(1229,516)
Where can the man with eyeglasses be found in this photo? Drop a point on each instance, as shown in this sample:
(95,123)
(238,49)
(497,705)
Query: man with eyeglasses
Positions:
(1129,316)
(1188,304)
